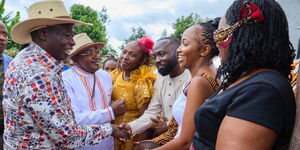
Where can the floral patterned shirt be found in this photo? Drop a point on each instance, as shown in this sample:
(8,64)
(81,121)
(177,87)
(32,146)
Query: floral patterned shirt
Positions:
(37,112)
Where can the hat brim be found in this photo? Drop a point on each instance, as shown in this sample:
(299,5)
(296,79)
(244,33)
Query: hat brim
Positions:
(21,31)
(99,45)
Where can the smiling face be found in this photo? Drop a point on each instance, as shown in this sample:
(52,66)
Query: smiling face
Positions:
(131,57)
(88,59)
(3,37)
(59,40)
(223,50)
(189,51)
(165,56)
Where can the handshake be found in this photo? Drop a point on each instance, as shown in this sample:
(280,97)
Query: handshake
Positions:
(122,132)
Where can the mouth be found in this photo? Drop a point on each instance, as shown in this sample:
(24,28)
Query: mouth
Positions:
(2,44)
(160,66)
(180,57)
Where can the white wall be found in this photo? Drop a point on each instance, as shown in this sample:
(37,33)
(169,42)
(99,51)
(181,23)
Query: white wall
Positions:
(292,11)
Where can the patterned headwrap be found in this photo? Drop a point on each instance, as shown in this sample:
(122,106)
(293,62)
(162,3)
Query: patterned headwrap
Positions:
(249,13)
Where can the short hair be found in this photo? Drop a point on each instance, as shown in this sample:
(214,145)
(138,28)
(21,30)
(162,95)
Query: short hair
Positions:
(172,40)
(257,45)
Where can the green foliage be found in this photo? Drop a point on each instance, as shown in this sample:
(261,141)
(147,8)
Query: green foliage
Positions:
(97,32)
(12,47)
(136,34)
(182,23)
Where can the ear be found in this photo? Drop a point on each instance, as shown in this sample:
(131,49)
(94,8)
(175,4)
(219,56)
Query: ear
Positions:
(205,50)
(43,34)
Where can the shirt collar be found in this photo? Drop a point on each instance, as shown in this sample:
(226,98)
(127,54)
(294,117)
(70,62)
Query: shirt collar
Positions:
(44,58)
(81,71)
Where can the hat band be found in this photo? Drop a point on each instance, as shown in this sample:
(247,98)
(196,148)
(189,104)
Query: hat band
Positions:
(40,27)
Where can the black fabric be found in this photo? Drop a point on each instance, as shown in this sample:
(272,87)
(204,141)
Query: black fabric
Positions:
(266,99)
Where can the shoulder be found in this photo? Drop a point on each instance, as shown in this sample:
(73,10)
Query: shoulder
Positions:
(272,79)
(7,58)
(115,73)
(144,73)
(103,74)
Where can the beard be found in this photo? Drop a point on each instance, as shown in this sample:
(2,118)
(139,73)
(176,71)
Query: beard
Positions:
(167,69)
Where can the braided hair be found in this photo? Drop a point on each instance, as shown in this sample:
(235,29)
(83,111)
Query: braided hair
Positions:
(209,28)
(257,45)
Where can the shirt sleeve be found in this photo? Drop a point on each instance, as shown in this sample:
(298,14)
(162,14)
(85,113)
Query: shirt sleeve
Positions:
(99,116)
(47,102)
(154,109)
(259,103)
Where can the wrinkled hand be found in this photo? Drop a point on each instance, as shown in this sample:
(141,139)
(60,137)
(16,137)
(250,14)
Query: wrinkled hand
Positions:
(160,128)
(120,133)
(126,127)
(146,144)
(118,107)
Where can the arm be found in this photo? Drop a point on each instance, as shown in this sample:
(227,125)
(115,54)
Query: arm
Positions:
(154,109)
(238,134)
(194,100)
(50,108)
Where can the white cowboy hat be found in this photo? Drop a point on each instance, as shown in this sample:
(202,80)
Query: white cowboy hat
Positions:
(42,14)
(83,42)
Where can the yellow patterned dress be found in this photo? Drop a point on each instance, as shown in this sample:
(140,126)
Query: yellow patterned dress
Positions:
(136,92)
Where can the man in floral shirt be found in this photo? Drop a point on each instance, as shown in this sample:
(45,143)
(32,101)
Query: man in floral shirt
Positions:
(37,112)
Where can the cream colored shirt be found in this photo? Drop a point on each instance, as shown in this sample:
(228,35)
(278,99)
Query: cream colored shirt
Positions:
(167,90)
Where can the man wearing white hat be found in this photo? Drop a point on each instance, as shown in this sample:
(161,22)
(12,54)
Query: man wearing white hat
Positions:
(89,89)
(37,111)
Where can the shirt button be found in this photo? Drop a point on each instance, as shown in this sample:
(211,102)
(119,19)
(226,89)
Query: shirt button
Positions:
(169,94)
(170,84)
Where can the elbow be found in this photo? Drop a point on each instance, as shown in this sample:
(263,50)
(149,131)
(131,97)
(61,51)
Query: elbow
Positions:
(185,144)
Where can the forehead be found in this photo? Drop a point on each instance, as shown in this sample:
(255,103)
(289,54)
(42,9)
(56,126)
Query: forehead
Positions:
(193,32)
(132,47)
(93,48)
(3,27)
(161,45)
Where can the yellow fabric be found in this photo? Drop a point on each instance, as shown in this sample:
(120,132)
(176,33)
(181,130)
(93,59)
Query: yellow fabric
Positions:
(136,92)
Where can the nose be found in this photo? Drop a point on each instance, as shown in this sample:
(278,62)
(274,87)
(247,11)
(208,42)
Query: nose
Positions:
(125,56)
(178,50)
(72,42)
(157,60)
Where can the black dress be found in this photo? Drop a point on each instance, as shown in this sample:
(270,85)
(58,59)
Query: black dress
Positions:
(266,99)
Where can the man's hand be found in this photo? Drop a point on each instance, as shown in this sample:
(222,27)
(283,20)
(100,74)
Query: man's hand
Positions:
(119,133)
(146,144)
(126,127)
(118,107)
(160,128)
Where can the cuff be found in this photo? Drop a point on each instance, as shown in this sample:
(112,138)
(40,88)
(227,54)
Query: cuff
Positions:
(111,113)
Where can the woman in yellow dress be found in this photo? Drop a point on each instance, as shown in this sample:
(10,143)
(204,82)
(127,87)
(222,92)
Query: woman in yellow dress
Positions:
(133,82)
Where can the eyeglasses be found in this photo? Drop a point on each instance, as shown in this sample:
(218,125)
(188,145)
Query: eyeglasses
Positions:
(97,54)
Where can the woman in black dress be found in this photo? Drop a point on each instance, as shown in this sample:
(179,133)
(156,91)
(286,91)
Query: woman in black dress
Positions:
(255,107)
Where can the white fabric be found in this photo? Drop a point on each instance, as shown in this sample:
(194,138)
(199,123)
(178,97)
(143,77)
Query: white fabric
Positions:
(178,111)
(167,89)
(80,102)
